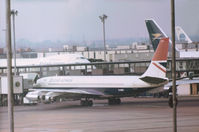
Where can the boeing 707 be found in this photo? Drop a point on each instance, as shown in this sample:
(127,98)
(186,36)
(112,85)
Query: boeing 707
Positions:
(86,88)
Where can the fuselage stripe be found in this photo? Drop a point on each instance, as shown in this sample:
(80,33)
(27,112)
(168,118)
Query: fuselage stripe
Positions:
(159,67)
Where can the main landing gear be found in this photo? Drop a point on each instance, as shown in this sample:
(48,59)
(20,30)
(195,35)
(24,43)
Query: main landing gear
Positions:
(86,102)
(114,101)
(170,101)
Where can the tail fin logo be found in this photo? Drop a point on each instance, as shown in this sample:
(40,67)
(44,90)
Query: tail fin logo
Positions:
(156,36)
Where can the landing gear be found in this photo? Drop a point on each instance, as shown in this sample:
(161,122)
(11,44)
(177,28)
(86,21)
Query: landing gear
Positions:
(114,101)
(170,102)
(86,102)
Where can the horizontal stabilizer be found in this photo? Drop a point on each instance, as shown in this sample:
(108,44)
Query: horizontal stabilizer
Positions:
(153,79)
(182,82)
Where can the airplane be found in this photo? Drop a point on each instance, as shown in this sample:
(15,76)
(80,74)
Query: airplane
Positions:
(85,88)
(49,60)
(156,33)
(182,36)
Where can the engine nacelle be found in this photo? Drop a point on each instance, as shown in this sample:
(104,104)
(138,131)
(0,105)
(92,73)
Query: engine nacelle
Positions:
(33,95)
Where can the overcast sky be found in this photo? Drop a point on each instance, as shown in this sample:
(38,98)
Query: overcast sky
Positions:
(78,20)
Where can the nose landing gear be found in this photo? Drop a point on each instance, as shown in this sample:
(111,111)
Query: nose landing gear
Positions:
(86,102)
(170,101)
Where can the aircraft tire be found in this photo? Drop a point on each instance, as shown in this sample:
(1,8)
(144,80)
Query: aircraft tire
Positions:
(86,103)
(82,103)
(118,101)
(113,101)
(110,101)
(170,102)
(90,103)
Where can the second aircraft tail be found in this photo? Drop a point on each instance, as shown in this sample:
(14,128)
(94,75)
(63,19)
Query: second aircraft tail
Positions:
(182,36)
(156,33)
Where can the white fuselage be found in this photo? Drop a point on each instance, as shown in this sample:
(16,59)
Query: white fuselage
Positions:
(50,60)
(93,82)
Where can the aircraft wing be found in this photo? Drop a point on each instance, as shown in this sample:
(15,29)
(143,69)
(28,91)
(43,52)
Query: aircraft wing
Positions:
(181,82)
(74,91)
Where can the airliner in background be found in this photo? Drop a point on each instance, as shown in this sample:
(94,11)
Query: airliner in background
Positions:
(156,33)
(86,88)
(60,59)
(182,36)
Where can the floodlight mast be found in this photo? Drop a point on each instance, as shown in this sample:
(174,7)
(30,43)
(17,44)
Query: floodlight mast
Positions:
(13,14)
(102,18)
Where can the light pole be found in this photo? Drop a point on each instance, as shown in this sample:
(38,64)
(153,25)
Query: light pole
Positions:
(9,67)
(173,66)
(103,17)
(14,13)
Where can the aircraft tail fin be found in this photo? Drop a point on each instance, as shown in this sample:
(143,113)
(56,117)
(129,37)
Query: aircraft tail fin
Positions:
(156,72)
(155,32)
(181,35)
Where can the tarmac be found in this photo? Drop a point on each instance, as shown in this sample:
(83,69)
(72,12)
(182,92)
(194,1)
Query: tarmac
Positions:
(133,115)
